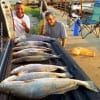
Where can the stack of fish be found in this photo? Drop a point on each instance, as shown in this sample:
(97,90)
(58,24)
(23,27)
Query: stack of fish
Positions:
(34,71)
(32,51)
(36,81)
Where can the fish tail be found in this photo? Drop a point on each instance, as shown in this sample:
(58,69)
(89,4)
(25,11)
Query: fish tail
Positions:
(55,56)
(62,75)
(62,68)
(91,86)
(47,44)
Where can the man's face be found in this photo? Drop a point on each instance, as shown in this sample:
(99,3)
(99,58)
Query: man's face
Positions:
(51,20)
(19,10)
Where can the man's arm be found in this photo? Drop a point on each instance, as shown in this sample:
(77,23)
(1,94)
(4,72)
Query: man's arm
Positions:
(42,30)
(64,42)
(63,35)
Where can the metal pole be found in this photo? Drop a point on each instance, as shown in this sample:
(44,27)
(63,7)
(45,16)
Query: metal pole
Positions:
(1,33)
(81,8)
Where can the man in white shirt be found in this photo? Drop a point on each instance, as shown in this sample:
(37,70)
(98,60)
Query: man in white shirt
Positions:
(21,22)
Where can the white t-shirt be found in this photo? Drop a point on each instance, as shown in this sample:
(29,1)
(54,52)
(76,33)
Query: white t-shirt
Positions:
(19,29)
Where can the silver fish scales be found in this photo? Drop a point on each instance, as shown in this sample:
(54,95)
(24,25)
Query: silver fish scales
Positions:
(37,68)
(39,88)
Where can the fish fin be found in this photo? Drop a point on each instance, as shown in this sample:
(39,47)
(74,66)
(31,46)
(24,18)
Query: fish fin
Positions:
(61,69)
(63,75)
(64,90)
(60,92)
(54,56)
(91,86)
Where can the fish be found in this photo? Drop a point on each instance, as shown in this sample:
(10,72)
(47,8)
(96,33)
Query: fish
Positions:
(36,68)
(36,75)
(33,43)
(35,47)
(29,52)
(20,39)
(43,87)
(35,58)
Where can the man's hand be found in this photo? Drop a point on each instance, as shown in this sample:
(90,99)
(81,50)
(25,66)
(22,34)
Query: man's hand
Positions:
(23,23)
(25,26)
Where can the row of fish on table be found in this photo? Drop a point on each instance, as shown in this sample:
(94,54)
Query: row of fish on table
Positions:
(37,80)
(32,51)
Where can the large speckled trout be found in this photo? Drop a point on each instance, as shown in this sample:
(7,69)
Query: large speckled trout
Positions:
(37,75)
(37,68)
(33,43)
(29,52)
(39,88)
(35,58)
(35,47)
